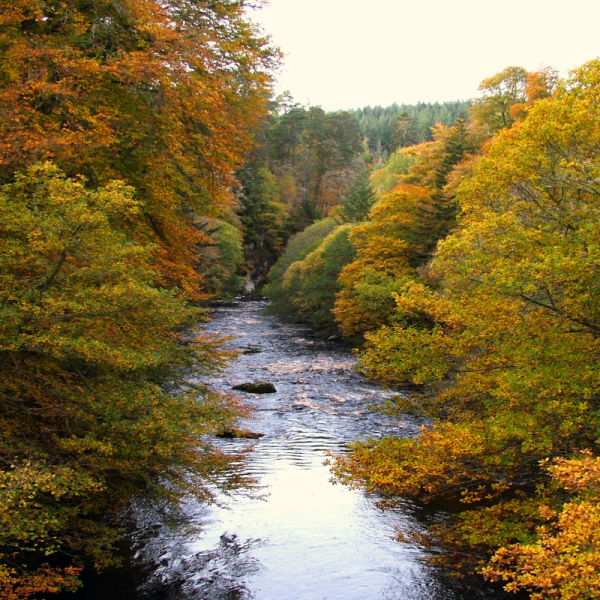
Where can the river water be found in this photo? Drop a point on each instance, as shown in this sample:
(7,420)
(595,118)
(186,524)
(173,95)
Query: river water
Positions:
(306,539)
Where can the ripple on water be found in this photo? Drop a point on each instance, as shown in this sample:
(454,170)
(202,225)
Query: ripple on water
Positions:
(306,539)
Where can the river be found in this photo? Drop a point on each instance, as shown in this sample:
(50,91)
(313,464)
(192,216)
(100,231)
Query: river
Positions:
(306,539)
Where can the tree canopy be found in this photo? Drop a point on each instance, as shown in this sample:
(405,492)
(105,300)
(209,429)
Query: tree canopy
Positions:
(122,126)
(504,339)
(473,289)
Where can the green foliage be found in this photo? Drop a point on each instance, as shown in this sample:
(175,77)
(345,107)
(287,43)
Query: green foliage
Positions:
(222,259)
(367,302)
(384,180)
(305,161)
(316,148)
(388,128)
(312,284)
(297,249)
(405,132)
(358,201)
(264,218)
(87,341)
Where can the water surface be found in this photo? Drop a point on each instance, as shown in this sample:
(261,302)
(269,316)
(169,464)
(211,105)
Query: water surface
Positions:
(307,539)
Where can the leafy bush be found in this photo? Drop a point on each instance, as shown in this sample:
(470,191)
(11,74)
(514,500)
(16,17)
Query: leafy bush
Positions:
(297,249)
(312,283)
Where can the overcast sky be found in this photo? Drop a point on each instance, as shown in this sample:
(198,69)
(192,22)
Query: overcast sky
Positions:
(343,54)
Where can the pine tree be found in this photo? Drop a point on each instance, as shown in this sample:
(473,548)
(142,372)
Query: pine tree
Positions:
(436,217)
(359,200)
(404,131)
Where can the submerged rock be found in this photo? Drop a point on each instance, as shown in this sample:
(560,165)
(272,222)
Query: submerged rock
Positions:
(251,349)
(259,387)
(240,433)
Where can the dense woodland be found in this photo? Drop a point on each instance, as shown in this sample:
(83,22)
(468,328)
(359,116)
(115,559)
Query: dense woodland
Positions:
(391,127)
(466,269)
(146,170)
(122,126)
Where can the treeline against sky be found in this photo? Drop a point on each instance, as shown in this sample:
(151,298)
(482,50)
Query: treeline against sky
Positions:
(391,127)
(467,269)
(307,160)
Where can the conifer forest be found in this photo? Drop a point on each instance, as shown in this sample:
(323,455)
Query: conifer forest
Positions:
(149,174)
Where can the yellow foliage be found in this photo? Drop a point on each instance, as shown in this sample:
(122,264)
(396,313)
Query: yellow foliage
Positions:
(504,341)
(564,562)
(365,301)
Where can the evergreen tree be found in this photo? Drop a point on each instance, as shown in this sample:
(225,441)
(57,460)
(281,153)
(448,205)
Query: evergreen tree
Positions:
(263,216)
(379,124)
(436,217)
(359,200)
(404,131)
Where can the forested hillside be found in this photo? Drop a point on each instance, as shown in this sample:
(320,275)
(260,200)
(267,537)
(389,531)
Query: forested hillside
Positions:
(472,282)
(391,127)
(307,161)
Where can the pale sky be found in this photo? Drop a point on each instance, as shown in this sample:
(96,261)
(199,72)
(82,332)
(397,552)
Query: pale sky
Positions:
(342,54)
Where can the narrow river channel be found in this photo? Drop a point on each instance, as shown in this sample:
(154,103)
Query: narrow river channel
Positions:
(307,539)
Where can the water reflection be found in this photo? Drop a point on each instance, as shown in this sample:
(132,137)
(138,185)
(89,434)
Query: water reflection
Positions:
(307,539)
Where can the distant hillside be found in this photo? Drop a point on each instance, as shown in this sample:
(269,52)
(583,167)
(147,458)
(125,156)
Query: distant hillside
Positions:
(388,128)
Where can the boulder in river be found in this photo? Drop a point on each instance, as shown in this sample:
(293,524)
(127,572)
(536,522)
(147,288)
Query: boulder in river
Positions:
(259,387)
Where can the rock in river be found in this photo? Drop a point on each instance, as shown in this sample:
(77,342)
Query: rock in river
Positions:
(259,387)
(240,433)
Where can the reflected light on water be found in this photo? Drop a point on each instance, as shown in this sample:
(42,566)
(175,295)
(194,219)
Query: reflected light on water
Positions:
(307,539)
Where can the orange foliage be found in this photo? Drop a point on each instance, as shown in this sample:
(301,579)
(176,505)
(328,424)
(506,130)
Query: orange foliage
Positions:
(15,585)
(159,94)
(383,255)
(540,84)
(564,562)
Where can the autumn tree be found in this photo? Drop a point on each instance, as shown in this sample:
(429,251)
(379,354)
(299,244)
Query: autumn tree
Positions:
(505,347)
(498,94)
(404,226)
(436,215)
(161,95)
(540,84)
(563,562)
(382,262)
(146,110)
(88,344)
